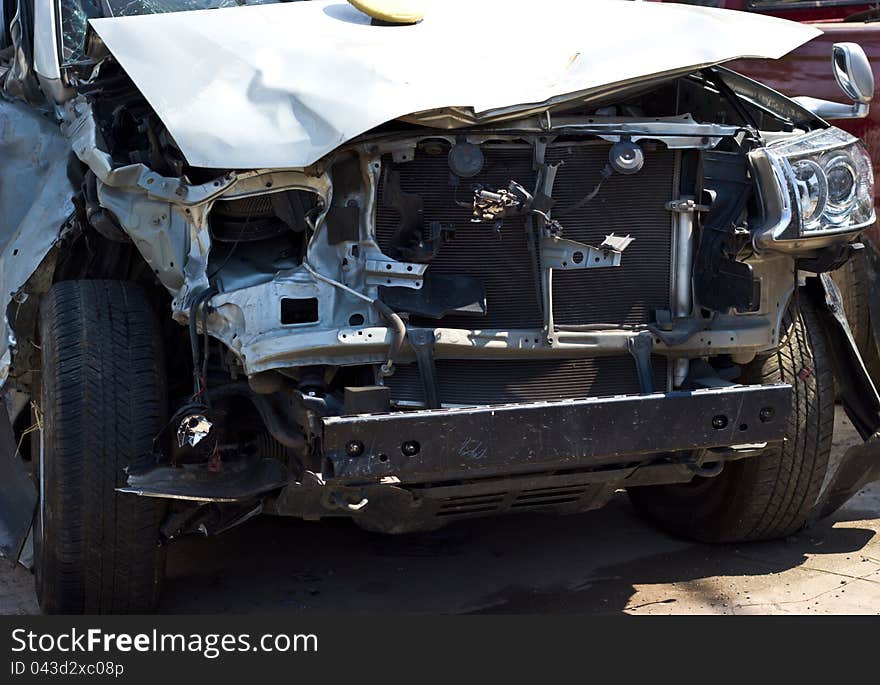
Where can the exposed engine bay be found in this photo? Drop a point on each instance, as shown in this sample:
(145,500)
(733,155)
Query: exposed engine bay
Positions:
(594,252)
(626,253)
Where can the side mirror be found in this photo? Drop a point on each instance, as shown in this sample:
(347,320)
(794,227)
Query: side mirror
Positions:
(853,72)
(855,78)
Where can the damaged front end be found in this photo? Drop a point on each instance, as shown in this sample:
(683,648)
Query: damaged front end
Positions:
(413,329)
(446,315)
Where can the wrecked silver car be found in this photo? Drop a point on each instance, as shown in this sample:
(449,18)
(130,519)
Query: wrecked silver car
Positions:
(291,259)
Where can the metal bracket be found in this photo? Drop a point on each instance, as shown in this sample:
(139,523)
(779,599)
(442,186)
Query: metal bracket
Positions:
(640,347)
(686,205)
(422,341)
(562,254)
(676,132)
(389,272)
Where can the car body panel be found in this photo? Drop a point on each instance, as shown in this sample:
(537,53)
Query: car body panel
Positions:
(36,199)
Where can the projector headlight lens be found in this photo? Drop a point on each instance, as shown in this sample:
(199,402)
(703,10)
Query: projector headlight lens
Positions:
(842,185)
(811,184)
(831,181)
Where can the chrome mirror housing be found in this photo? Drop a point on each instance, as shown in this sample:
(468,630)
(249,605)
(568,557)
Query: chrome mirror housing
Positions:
(853,72)
(855,78)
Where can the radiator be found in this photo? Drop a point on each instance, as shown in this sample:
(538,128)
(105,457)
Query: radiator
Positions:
(633,205)
(489,381)
(626,295)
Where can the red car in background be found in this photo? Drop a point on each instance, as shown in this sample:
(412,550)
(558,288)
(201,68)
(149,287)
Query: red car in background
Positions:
(805,72)
(797,10)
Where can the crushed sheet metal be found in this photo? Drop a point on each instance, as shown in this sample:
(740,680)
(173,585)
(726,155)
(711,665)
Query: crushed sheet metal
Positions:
(860,464)
(198,483)
(18,495)
(36,199)
(231,101)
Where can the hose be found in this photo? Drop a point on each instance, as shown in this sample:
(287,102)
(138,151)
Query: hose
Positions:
(398,328)
(706,470)
(271,417)
(584,201)
(200,299)
(396,325)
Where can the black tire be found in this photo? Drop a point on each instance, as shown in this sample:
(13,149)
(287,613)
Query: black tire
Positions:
(855,281)
(771,495)
(102,402)
(852,279)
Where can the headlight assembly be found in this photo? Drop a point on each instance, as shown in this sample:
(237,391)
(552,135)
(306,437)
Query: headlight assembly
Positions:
(829,180)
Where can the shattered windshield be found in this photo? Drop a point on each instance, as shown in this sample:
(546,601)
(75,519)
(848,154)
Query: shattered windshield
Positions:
(75,15)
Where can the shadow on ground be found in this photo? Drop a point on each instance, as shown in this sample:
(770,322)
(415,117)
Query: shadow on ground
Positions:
(606,561)
(588,563)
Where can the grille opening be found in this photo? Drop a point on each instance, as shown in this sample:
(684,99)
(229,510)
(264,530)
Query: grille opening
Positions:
(470,505)
(576,492)
(480,502)
(471,498)
(544,503)
(462,512)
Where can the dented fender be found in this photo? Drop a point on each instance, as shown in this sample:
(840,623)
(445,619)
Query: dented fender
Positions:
(860,464)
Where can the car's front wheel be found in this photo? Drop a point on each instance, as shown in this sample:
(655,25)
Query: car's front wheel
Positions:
(771,495)
(102,402)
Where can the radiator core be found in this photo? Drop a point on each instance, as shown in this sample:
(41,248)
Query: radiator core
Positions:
(623,296)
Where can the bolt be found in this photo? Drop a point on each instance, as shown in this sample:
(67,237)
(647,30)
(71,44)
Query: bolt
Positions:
(354,448)
(766,414)
(410,448)
(719,422)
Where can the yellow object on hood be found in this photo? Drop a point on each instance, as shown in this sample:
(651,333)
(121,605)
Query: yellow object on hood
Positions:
(390,11)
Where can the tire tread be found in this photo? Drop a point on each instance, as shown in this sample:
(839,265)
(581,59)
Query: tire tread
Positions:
(104,401)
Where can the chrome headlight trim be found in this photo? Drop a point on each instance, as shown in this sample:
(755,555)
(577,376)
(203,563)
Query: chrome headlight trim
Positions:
(815,169)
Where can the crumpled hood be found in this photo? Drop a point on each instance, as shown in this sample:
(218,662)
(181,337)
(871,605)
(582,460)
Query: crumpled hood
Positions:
(282,85)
